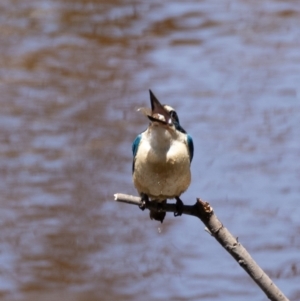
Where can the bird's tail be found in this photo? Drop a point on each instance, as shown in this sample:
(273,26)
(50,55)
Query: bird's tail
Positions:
(158,215)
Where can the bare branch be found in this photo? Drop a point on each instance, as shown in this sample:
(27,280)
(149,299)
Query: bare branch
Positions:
(205,213)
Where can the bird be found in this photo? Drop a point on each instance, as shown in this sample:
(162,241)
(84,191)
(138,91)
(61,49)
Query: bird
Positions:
(162,156)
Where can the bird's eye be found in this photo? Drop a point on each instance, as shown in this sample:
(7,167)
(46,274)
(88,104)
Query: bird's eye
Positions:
(174,116)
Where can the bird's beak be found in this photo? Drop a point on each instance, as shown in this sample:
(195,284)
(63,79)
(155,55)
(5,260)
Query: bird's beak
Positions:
(159,113)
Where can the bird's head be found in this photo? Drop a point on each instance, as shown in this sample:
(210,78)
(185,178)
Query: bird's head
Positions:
(161,115)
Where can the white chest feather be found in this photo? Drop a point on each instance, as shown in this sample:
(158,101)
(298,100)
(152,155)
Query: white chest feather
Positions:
(162,164)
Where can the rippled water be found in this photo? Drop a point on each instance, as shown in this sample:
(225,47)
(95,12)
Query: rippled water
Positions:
(72,74)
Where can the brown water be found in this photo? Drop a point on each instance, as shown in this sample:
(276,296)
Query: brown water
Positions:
(72,75)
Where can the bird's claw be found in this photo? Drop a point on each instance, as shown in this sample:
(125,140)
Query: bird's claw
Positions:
(144,201)
(143,205)
(179,207)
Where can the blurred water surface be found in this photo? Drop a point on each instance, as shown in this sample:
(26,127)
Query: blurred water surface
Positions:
(72,74)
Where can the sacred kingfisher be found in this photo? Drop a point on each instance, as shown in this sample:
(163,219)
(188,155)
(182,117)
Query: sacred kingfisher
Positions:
(162,156)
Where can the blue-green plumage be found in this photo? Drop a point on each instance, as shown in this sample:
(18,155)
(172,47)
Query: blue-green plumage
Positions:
(190,146)
(135,146)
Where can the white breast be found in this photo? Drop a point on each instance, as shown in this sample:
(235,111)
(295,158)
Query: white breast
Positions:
(162,164)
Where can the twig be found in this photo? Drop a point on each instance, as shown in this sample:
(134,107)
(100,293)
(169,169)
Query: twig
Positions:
(205,213)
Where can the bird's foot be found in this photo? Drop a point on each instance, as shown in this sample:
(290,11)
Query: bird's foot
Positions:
(144,201)
(179,207)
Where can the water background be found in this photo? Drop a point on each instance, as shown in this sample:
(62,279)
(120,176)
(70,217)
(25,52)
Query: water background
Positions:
(73,73)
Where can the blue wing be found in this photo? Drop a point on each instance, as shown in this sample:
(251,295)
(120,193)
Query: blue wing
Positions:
(190,146)
(135,146)
(189,139)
